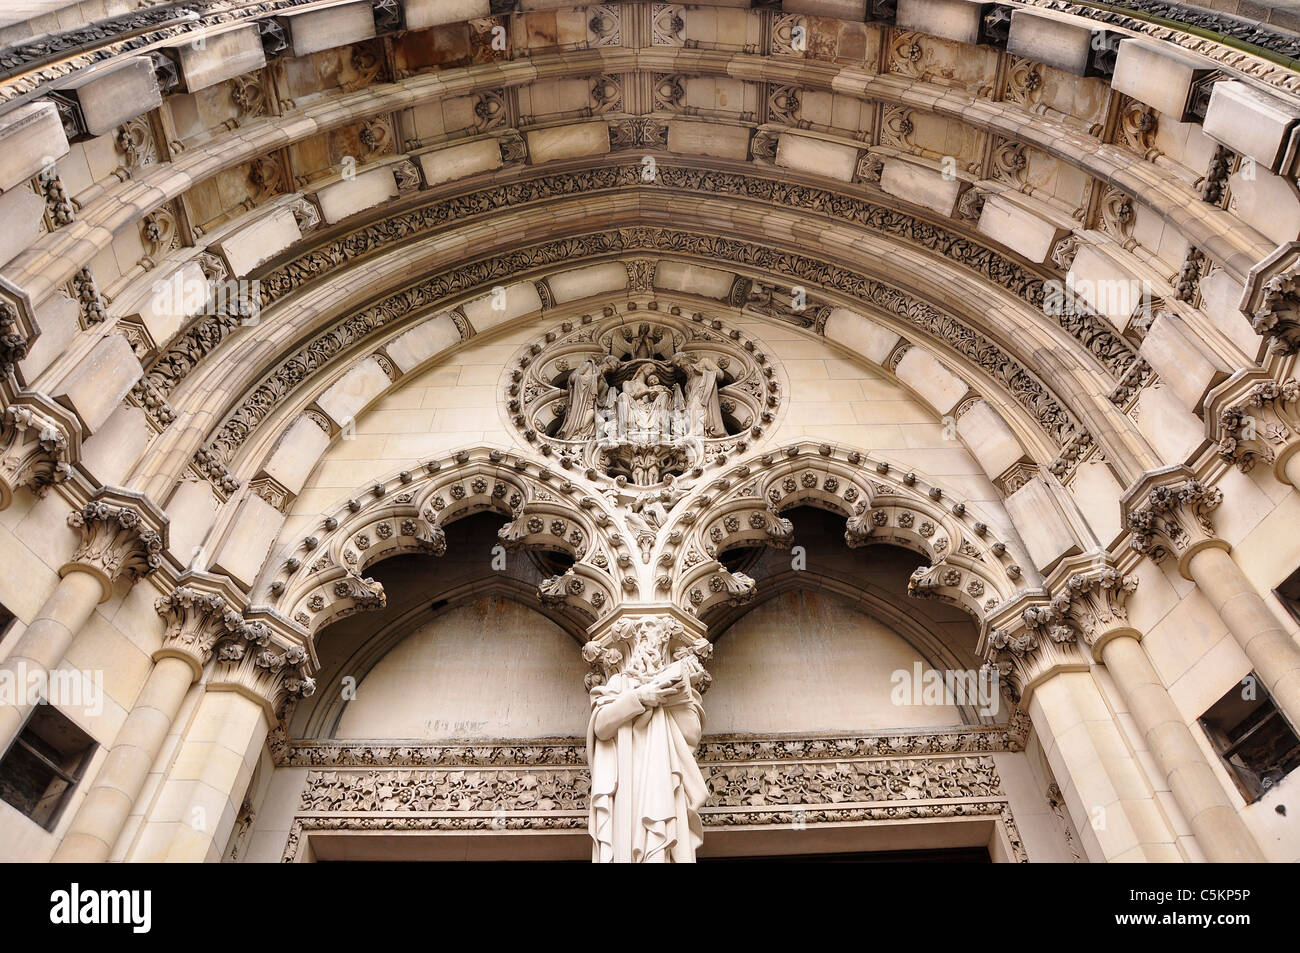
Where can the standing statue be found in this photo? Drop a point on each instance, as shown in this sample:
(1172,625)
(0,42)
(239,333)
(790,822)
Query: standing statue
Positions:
(646,722)
(587,386)
(703,407)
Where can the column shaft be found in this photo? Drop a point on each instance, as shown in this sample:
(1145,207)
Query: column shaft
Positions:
(1270,648)
(1291,469)
(45,641)
(1218,828)
(103,813)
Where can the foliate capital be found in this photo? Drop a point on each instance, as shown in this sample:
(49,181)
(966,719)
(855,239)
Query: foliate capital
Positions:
(38,442)
(122,533)
(1028,641)
(195,621)
(642,640)
(250,661)
(1168,512)
(1258,425)
(1095,601)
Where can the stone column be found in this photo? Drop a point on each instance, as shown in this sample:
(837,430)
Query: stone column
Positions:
(122,534)
(196,619)
(1094,600)
(1256,420)
(1168,513)
(253,679)
(1104,787)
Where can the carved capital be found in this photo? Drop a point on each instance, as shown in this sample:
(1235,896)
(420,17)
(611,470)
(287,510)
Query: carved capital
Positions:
(250,661)
(645,640)
(1167,512)
(1255,421)
(1028,641)
(1095,601)
(196,619)
(1271,298)
(38,442)
(122,534)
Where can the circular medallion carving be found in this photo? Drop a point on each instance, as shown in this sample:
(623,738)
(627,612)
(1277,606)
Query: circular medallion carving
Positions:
(640,395)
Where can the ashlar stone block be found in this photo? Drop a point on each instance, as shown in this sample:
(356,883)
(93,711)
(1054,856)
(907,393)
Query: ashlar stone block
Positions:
(938,386)
(94,388)
(807,154)
(345,398)
(920,185)
(422,14)
(458,162)
(1171,350)
(988,437)
(503,304)
(414,347)
(708,139)
(861,335)
(350,196)
(1253,123)
(568,141)
(247,540)
(266,237)
(1037,511)
(951,19)
(1018,229)
(1055,39)
(109,97)
(1159,76)
(325,29)
(296,454)
(220,57)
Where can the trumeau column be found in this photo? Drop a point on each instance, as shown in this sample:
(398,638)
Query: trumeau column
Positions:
(1168,513)
(646,721)
(198,612)
(1094,600)
(254,676)
(1105,789)
(1254,419)
(122,535)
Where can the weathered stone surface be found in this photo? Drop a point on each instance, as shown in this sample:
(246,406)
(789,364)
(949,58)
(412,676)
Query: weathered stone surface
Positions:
(1170,348)
(349,196)
(1104,286)
(925,187)
(993,443)
(110,453)
(247,540)
(457,162)
(806,154)
(109,97)
(95,387)
(1037,511)
(504,305)
(296,454)
(173,301)
(855,10)
(345,398)
(31,138)
(585,282)
(266,237)
(1253,123)
(938,386)
(694,279)
(708,139)
(23,214)
(221,57)
(421,342)
(861,335)
(334,26)
(1057,39)
(951,19)
(568,141)
(421,14)
(1158,76)
(1018,229)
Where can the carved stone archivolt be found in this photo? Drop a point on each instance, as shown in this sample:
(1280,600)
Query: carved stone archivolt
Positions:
(640,395)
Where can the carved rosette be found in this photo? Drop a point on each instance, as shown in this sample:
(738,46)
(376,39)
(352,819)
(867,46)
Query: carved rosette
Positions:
(122,534)
(1262,426)
(195,621)
(1095,601)
(253,663)
(36,450)
(1169,514)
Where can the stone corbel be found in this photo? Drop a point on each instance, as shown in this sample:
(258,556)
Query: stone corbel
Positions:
(1255,419)
(1093,598)
(123,533)
(1028,641)
(199,611)
(39,440)
(1167,512)
(612,641)
(1271,298)
(256,663)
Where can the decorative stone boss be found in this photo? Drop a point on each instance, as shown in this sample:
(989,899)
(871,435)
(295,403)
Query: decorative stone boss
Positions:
(646,722)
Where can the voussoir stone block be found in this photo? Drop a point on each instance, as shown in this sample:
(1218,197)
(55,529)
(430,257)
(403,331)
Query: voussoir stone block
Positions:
(173,301)
(938,386)
(724,141)
(807,154)
(345,398)
(993,443)
(861,335)
(1037,511)
(1253,123)
(111,96)
(1170,348)
(31,138)
(1018,229)
(109,455)
(270,234)
(412,348)
(23,214)
(220,57)
(585,282)
(568,141)
(839,9)
(1055,39)
(325,29)
(95,387)
(951,19)
(422,14)
(247,540)
(458,162)
(694,279)
(508,303)
(1154,74)
(296,453)
(1104,286)
(920,185)
(350,196)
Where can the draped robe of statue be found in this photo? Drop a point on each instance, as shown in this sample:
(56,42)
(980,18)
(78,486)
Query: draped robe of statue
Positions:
(646,788)
(584,389)
(703,407)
